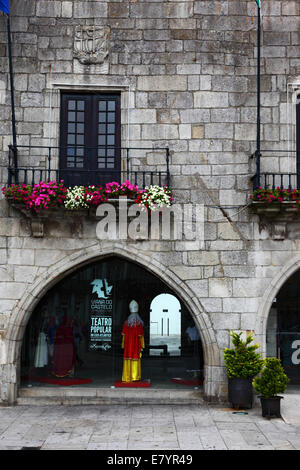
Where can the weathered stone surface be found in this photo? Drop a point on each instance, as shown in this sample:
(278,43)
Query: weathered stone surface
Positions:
(162,83)
(206,99)
(186,73)
(48,8)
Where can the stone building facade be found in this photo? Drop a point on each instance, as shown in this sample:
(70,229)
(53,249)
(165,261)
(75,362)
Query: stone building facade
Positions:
(186,74)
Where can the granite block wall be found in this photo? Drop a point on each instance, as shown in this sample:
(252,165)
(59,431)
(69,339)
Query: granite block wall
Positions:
(186,71)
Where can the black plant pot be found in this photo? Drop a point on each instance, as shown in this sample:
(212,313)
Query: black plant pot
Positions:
(240,392)
(271,407)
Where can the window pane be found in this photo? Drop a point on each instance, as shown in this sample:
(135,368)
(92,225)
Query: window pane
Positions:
(80,139)
(101,163)
(102,129)
(80,105)
(101,140)
(102,105)
(102,117)
(71,139)
(111,105)
(111,117)
(80,117)
(110,128)
(71,104)
(80,128)
(110,140)
(71,151)
(71,116)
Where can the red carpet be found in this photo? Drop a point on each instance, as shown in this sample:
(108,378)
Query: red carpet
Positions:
(56,381)
(188,381)
(140,384)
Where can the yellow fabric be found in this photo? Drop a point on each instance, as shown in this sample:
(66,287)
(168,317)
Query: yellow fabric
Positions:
(131,370)
(132,367)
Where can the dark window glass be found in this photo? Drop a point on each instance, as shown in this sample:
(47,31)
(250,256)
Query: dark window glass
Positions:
(87,122)
(76,330)
(283,328)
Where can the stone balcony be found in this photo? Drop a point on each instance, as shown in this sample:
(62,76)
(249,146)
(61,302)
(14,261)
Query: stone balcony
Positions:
(277,218)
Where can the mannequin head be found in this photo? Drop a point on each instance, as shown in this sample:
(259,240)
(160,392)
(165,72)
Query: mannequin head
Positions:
(134,317)
(133,307)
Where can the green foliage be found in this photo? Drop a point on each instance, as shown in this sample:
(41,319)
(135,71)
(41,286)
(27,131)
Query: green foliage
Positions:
(242,361)
(272,379)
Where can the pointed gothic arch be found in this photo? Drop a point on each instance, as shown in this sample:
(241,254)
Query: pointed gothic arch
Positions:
(70,263)
(273,288)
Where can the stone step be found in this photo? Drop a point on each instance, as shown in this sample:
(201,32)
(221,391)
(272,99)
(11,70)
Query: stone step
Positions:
(100,396)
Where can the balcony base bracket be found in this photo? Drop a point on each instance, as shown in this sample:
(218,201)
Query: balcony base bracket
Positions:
(280,220)
(37,228)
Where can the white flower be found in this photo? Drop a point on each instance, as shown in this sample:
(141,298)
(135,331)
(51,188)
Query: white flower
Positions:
(155,197)
(75,198)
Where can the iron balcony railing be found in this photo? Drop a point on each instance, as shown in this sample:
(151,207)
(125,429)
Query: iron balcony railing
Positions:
(33,164)
(283,180)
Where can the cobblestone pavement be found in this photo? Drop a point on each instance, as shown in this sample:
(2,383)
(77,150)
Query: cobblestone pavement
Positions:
(138,427)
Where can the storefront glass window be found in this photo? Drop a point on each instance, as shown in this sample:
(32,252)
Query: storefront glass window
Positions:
(75,335)
(283,328)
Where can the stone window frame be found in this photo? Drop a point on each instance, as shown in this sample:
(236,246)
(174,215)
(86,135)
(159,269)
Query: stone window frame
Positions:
(292,93)
(54,92)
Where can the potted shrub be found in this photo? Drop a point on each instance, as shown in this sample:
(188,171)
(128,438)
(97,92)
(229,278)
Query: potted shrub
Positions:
(242,363)
(271,381)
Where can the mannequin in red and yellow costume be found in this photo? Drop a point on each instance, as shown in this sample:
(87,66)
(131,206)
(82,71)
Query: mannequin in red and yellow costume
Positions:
(133,344)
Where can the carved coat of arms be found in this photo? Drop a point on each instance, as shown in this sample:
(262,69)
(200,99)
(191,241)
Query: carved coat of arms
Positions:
(91,44)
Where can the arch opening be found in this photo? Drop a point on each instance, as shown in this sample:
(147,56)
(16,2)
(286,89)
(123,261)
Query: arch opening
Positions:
(86,349)
(283,328)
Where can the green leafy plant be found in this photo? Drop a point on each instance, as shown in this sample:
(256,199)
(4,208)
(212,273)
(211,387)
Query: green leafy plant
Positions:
(242,360)
(272,379)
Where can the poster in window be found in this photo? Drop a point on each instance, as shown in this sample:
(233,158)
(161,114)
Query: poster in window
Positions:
(101,316)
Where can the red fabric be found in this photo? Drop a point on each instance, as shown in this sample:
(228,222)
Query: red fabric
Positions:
(188,381)
(132,341)
(64,354)
(62,382)
(139,384)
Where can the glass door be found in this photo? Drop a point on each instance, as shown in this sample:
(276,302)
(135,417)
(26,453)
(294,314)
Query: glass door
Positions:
(90,139)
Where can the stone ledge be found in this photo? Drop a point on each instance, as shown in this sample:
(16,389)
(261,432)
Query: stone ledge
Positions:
(99,396)
(285,211)
(275,216)
(38,219)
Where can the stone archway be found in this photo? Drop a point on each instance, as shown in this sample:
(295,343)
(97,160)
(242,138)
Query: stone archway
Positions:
(70,263)
(274,286)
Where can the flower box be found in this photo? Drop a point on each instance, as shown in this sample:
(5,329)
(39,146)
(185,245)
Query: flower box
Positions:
(51,200)
(47,195)
(285,210)
(276,203)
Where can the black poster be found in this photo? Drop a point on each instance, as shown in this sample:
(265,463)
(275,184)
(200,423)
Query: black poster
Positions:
(101,315)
